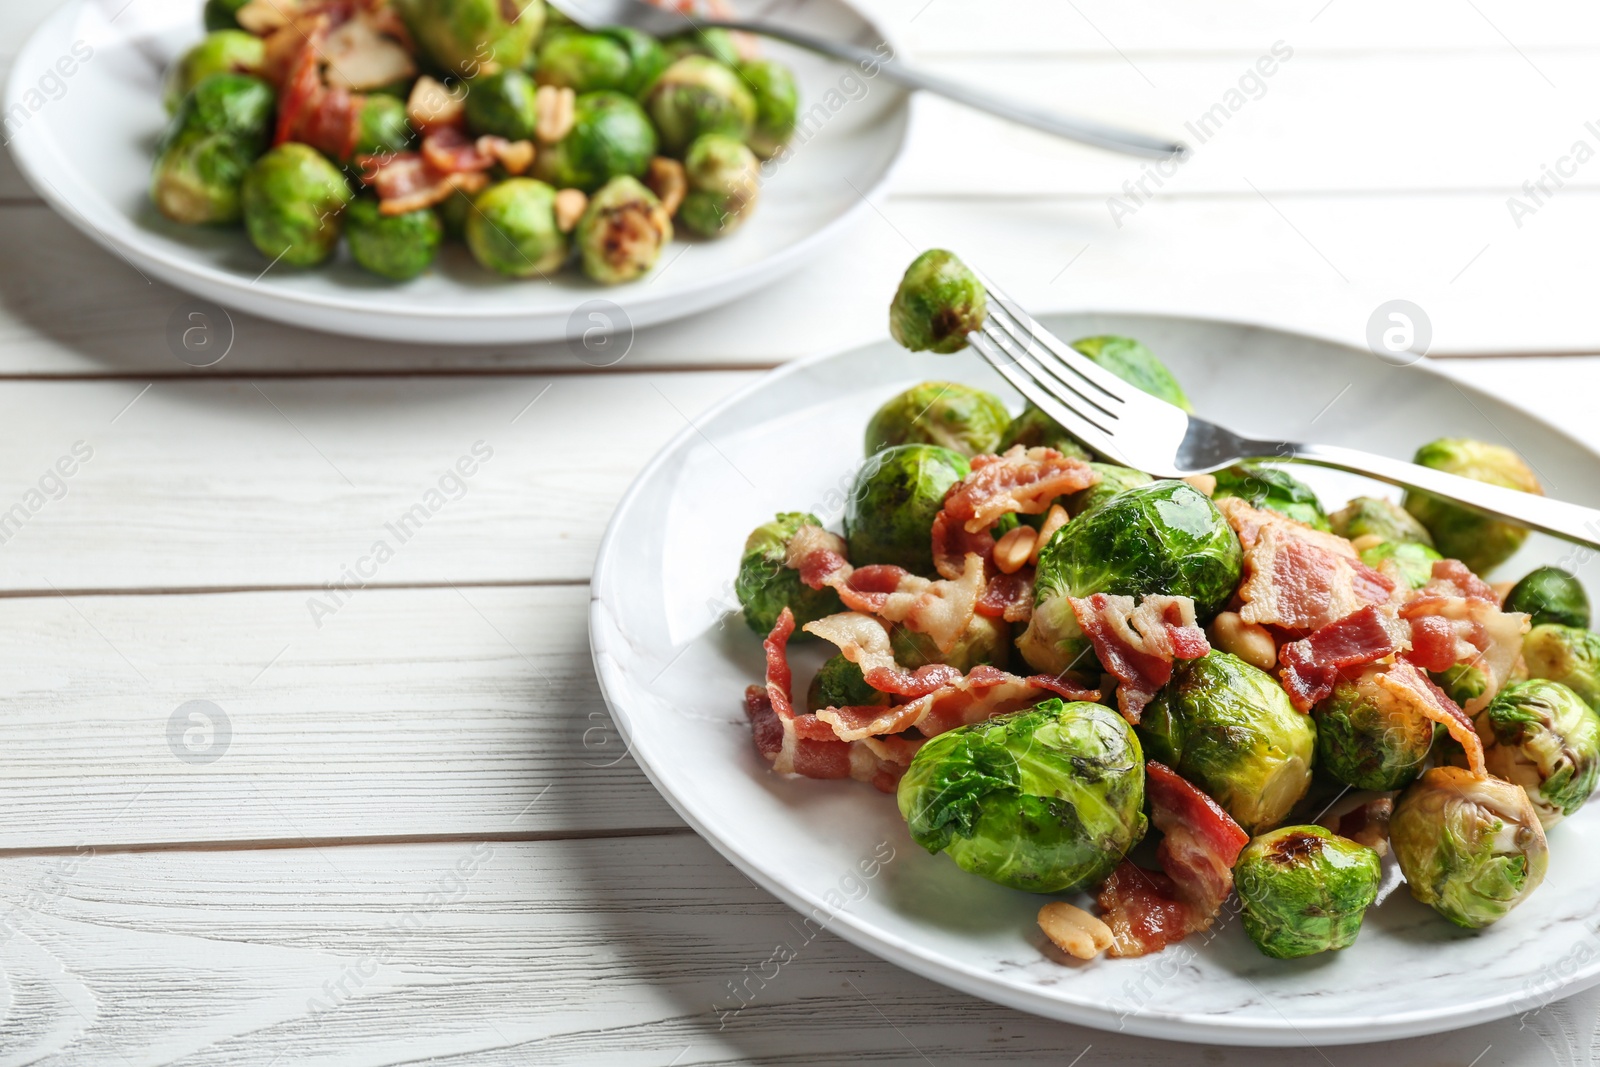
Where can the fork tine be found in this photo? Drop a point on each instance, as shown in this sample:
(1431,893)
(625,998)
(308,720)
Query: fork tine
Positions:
(1048,370)
(1034,389)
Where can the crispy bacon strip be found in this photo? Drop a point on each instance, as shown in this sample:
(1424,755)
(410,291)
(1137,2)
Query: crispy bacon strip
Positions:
(405,182)
(1409,685)
(1024,481)
(1312,664)
(984,693)
(1452,578)
(952,545)
(941,609)
(1139,644)
(817,554)
(1008,597)
(1451,630)
(864,641)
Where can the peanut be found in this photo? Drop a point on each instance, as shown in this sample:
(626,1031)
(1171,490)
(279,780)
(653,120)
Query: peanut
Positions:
(1014,548)
(666,179)
(432,105)
(1054,519)
(1074,931)
(1366,541)
(1249,641)
(1206,483)
(555,111)
(570,205)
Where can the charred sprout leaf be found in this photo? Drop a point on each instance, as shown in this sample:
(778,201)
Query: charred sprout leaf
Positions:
(1471,848)
(1272,490)
(985,640)
(840,684)
(1136,365)
(293,200)
(695,96)
(777,104)
(392,246)
(1230,729)
(1305,890)
(622,232)
(1408,561)
(724,179)
(229,51)
(1550,595)
(1566,654)
(1367,739)
(948,414)
(512,229)
(938,303)
(467,38)
(897,494)
(1046,800)
(610,136)
(1371,516)
(766,586)
(1034,429)
(1542,736)
(1480,542)
(502,105)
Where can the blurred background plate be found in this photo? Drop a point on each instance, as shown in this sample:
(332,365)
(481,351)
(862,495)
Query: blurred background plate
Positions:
(89,156)
(673,657)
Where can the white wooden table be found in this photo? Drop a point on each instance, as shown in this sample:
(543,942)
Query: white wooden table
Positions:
(419,839)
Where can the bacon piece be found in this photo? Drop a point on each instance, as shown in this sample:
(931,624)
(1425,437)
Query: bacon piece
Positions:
(451,151)
(1433,643)
(952,544)
(1452,578)
(1138,645)
(941,609)
(984,693)
(405,182)
(1311,665)
(864,641)
(780,679)
(1480,635)
(1415,690)
(1025,480)
(1143,910)
(1008,597)
(805,747)
(301,85)
(817,555)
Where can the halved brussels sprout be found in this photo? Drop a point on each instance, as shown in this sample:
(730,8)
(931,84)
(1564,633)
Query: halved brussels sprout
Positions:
(1305,890)
(610,136)
(393,246)
(1471,848)
(622,232)
(1541,735)
(1407,561)
(198,177)
(1136,365)
(696,96)
(512,229)
(948,414)
(1034,429)
(724,184)
(472,37)
(938,303)
(1550,595)
(1372,516)
(897,494)
(777,104)
(292,200)
(502,105)
(1368,739)
(1113,480)
(1271,489)
(840,684)
(766,586)
(223,51)
(1566,654)
(1046,800)
(382,127)
(1480,542)
(985,640)
(1229,728)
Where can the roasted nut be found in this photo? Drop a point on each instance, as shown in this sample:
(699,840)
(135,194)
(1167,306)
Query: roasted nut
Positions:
(1206,483)
(667,180)
(432,105)
(1054,519)
(570,204)
(1014,548)
(1366,541)
(1247,640)
(1074,931)
(556,110)
(515,156)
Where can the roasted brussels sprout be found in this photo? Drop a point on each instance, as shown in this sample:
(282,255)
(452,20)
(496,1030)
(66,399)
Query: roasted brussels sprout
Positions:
(985,640)
(622,232)
(381,126)
(1541,735)
(1230,729)
(766,586)
(393,246)
(1113,480)
(1046,800)
(938,303)
(618,58)
(198,176)
(223,51)
(1408,561)
(222,14)
(840,684)
(1550,595)
(777,104)
(1372,516)
(1366,738)
(1136,365)
(512,229)
(1462,683)
(1034,429)
(1272,490)
(292,200)
(238,105)
(501,104)
(897,494)
(948,414)
(610,136)
(696,96)
(453,212)
(717,44)
(1471,848)
(1566,654)
(1480,542)
(724,184)
(1305,890)
(472,37)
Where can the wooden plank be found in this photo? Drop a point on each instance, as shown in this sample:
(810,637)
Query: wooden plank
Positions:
(571,952)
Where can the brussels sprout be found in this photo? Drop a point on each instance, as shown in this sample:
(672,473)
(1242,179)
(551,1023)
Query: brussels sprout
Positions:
(501,104)
(472,37)
(1368,739)
(1034,429)
(1541,735)
(696,96)
(238,105)
(717,44)
(382,127)
(610,136)
(1113,480)
(198,176)
(1550,594)
(1471,848)
(724,183)
(938,303)
(948,414)
(766,586)
(1371,516)
(840,684)
(1272,490)
(1046,800)
(222,14)
(394,246)
(1462,683)
(1305,890)
(1480,542)
(1566,654)
(897,494)
(224,51)
(622,232)
(1136,365)
(1229,728)
(292,199)
(985,640)
(1408,561)
(777,104)
(453,211)
(619,58)
(512,229)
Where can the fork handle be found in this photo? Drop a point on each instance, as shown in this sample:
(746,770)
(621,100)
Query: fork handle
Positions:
(883,61)
(1570,522)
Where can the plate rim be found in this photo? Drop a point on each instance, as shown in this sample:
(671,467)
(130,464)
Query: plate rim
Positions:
(1184,1026)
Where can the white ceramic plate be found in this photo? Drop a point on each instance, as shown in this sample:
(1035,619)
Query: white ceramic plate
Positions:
(673,657)
(86,148)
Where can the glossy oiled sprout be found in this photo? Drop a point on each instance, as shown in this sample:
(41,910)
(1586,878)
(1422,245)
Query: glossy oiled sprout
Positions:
(467,38)
(948,414)
(1368,739)
(1480,542)
(777,104)
(1566,654)
(695,96)
(1550,595)
(622,232)
(293,200)
(1046,800)
(1113,480)
(617,58)
(1371,516)
(512,229)
(610,137)
(1271,489)
(938,303)
(766,586)
(1540,735)
(382,127)
(502,105)
(227,51)
(219,130)
(1304,890)
(392,246)
(897,494)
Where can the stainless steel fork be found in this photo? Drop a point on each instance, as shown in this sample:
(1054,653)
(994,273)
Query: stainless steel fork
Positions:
(1128,425)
